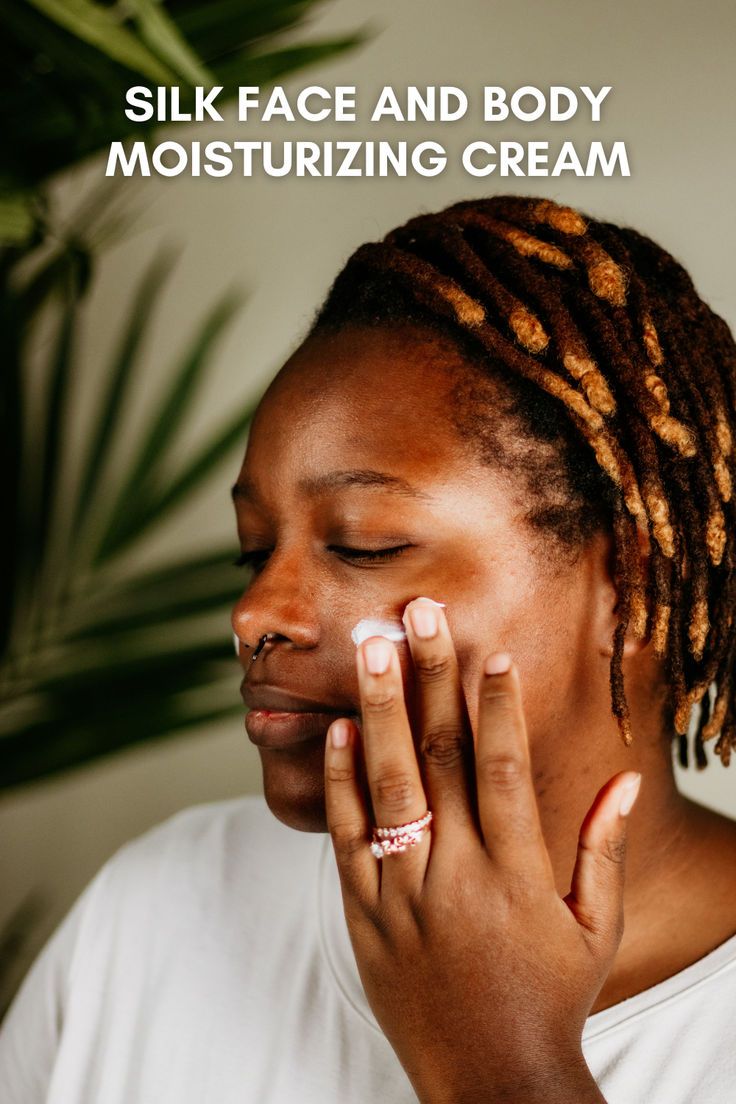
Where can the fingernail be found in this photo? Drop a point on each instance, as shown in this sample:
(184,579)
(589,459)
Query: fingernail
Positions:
(427,602)
(377,657)
(339,734)
(498,663)
(236,644)
(424,621)
(630,794)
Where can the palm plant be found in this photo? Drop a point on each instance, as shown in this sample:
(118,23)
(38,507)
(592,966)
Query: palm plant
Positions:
(65,66)
(97,653)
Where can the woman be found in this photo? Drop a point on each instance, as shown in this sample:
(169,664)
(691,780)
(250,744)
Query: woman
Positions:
(501,464)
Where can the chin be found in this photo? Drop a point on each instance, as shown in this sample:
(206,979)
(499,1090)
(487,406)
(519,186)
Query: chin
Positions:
(294,785)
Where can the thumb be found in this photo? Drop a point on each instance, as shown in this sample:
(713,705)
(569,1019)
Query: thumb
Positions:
(596,896)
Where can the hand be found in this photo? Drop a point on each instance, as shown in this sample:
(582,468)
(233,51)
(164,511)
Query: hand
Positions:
(479,974)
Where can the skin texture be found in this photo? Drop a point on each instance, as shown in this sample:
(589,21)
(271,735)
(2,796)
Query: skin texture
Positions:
(378,400)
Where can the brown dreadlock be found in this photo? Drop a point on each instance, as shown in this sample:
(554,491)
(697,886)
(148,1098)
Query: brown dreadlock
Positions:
(602,324)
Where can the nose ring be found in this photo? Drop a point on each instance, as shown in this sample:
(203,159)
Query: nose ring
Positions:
(260,646)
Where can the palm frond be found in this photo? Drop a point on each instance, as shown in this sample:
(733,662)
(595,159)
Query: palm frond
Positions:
(165,40)
(181,486)
(83,631)
(98,25)
(264,69)
(132,509)
(112,406)
(66,65)
(17,218)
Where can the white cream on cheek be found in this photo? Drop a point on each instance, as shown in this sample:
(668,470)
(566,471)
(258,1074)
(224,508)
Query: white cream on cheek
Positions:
(371,626)
(392,630)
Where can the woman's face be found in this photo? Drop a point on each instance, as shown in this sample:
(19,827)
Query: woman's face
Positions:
(357,494)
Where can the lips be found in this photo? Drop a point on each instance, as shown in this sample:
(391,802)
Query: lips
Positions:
(279,719)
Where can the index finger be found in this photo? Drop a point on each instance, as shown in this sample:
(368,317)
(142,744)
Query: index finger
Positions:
(507,802)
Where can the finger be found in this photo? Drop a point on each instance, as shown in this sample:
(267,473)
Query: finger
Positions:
(446,742)
(347,818)
(507,803)
(596,896)
(392,770)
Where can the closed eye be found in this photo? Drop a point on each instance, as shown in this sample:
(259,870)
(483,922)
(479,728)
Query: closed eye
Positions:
(368,555)
(256,558)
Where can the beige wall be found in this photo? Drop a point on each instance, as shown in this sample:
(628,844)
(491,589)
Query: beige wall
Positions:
(674,83)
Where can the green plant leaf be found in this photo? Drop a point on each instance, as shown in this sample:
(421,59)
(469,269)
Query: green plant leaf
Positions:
(38,505)
(97,25)
(109,415)
(266,68)
(173,610)
(145,609)
(12,419)
(162,36)
(133,500)
(225,25)
(200,467)
(62,96)
(48,280)
(177,574)
(17,218)
(47,748)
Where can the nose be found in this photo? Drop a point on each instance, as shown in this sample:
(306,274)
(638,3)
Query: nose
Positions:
(278,602)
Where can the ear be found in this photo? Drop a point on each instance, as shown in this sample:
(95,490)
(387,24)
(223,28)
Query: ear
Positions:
(608,597)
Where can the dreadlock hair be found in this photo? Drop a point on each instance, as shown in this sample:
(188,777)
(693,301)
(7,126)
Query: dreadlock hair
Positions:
(613,357)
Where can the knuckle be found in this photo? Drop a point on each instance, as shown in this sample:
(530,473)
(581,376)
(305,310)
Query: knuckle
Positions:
(432,668)
(614,850)
(443,747)
(608,929)
(339,774)
(347,837)
(502,772)
(380,703)
(395,791)
(496,696)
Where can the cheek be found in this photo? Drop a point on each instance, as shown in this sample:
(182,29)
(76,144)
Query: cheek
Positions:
(539,624)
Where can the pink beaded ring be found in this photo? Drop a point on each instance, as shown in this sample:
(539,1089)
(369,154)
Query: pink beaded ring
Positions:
(391,840)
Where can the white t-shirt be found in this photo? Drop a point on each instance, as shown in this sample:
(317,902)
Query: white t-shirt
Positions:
(209,962)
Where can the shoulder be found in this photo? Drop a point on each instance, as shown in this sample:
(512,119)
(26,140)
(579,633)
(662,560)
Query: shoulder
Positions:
(199,831)
(189,872)
(207,850)
(187,889)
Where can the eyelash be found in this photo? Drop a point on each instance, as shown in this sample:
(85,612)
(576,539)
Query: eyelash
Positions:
(256,559)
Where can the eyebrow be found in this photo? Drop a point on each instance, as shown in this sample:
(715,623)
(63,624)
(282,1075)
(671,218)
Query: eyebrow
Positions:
(338,480)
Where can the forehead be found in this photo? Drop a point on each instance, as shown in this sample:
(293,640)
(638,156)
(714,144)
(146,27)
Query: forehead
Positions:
(383,396)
